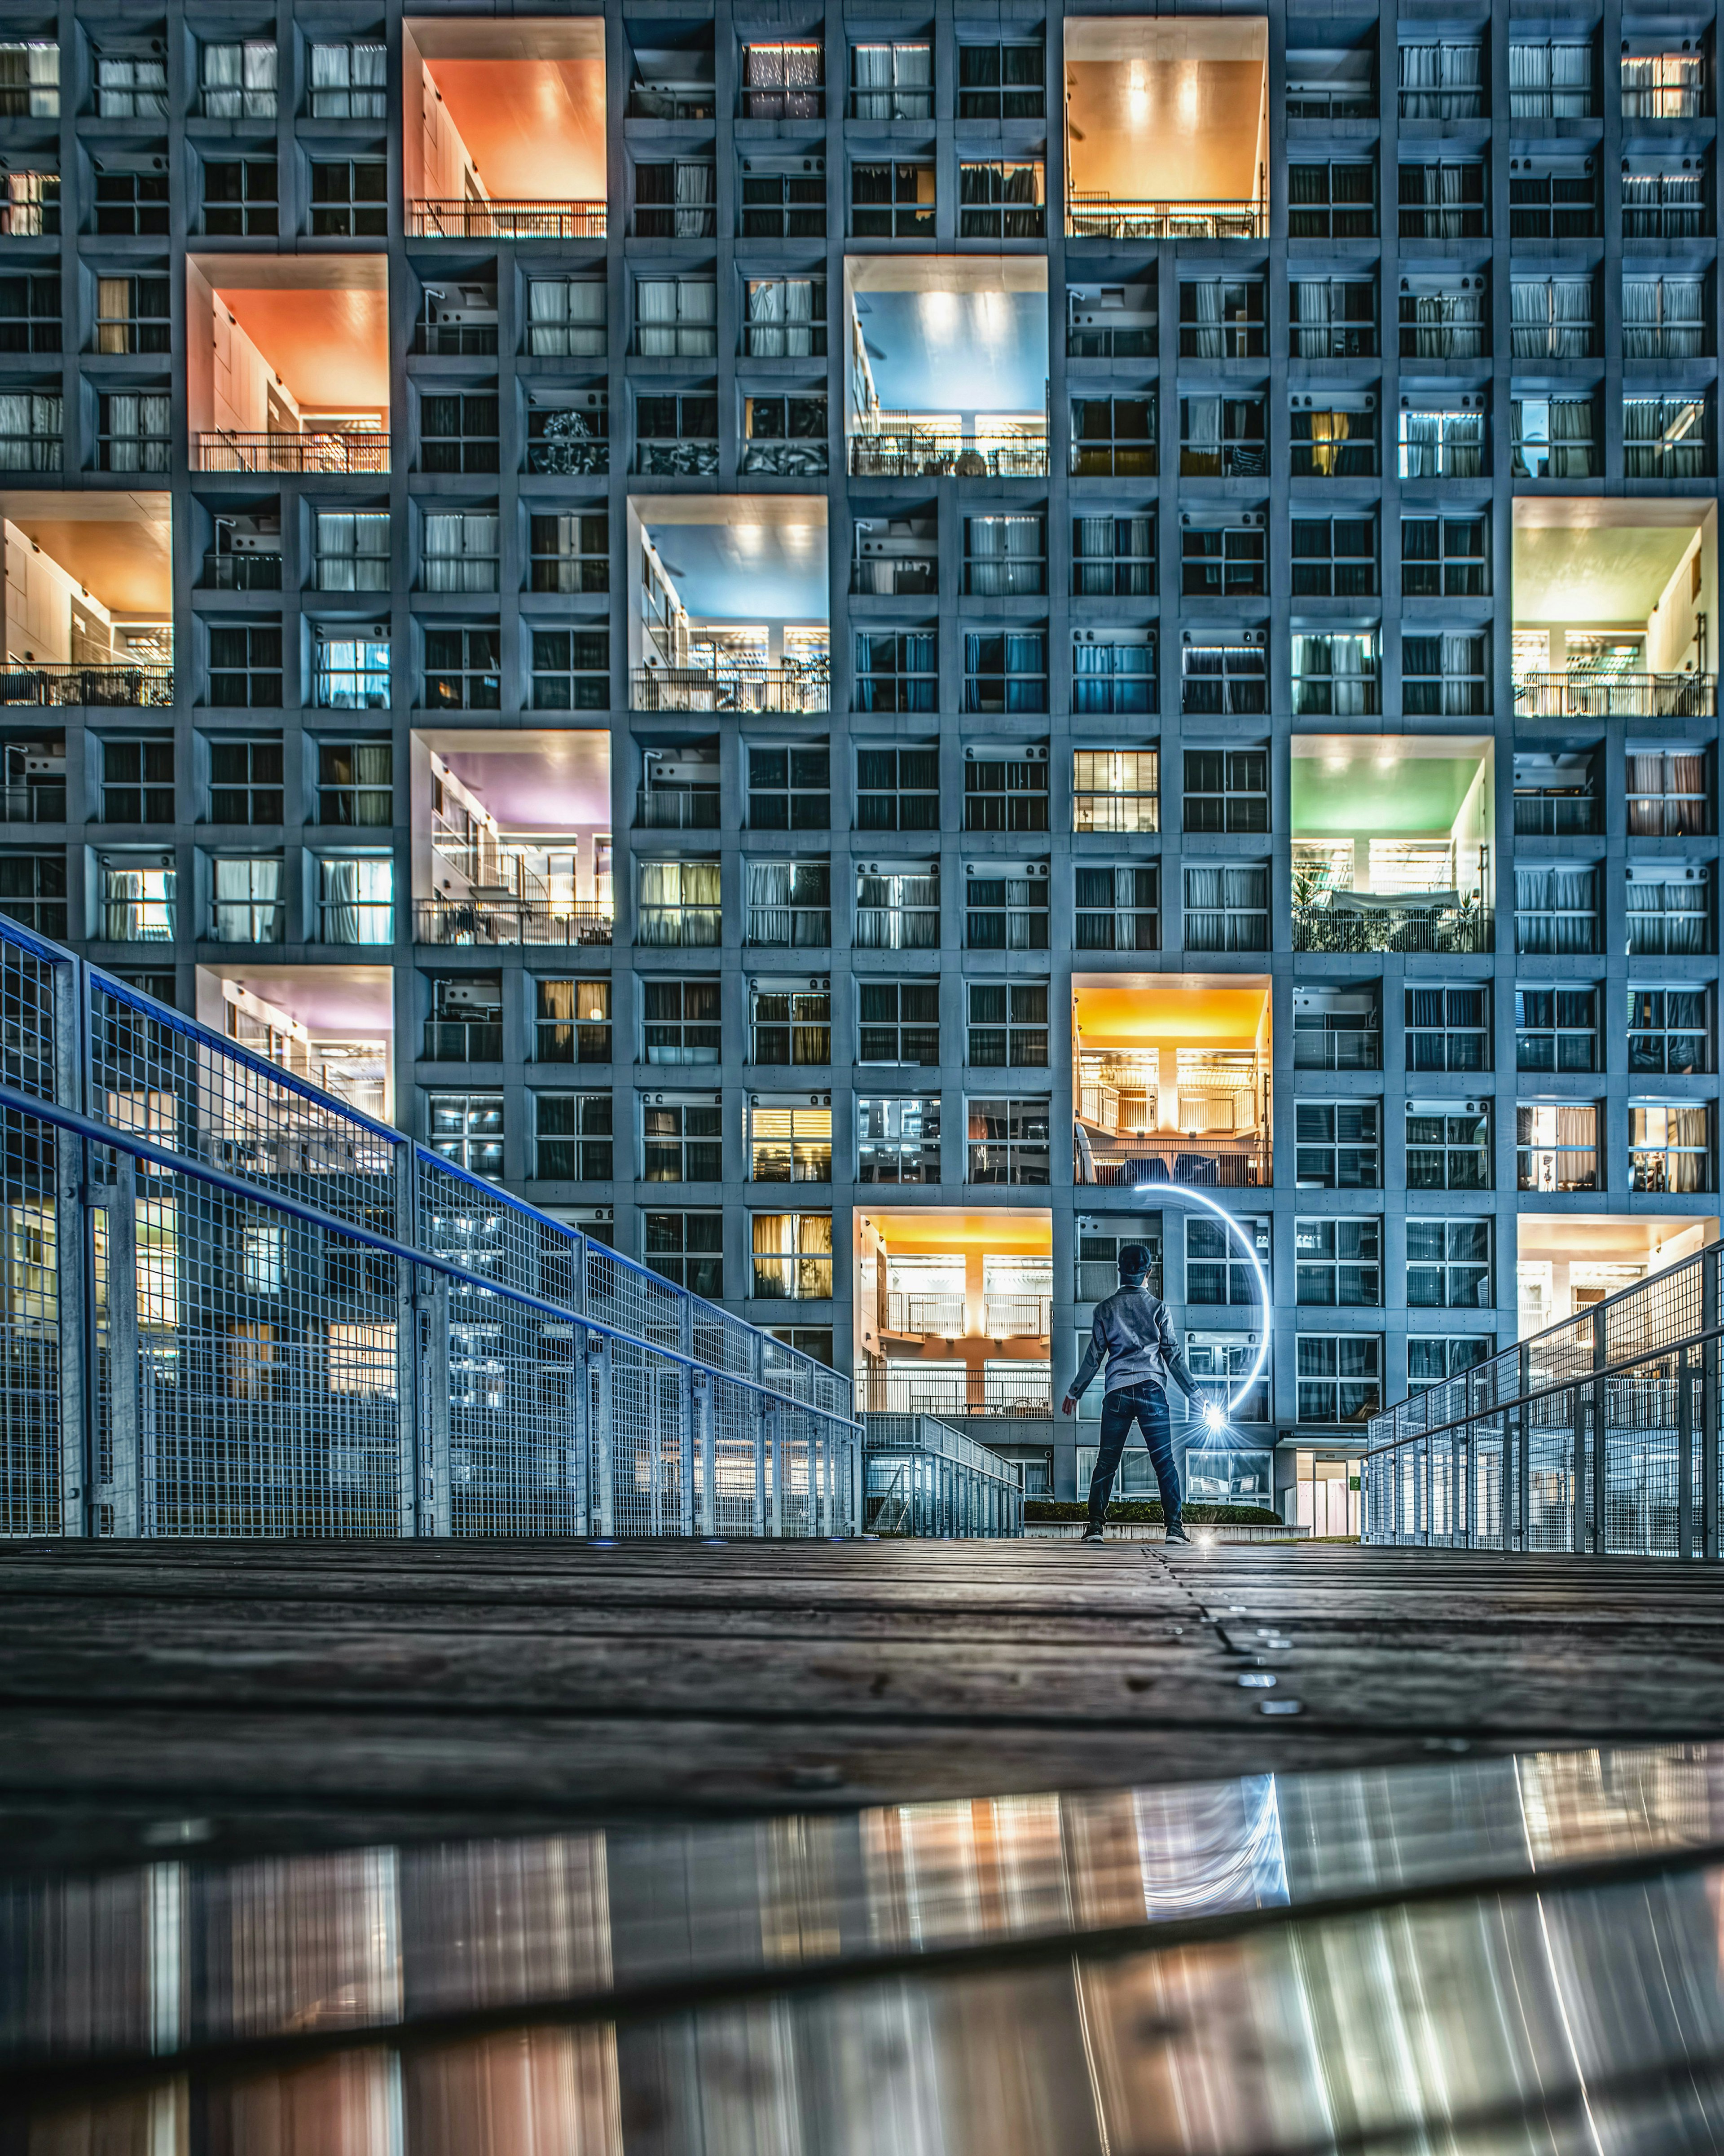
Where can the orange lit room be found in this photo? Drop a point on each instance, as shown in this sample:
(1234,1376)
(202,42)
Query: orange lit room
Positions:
(500,113)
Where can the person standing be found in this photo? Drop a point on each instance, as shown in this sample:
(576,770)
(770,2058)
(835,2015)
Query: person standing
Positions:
(1134,1334)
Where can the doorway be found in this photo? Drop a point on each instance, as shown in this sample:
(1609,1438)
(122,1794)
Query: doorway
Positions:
(1329,1494)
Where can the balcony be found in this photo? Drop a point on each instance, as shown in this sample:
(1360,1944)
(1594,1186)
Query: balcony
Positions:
(1584,695)
(1016,1316)
(476,921)
(676,808)
(116,685)
(467,219)
(1361,921)
(893,446)
(1023,1392)
(1211,1161)
(1099,217)
(242,573)
(463,1040)
(739,689)
(343,454)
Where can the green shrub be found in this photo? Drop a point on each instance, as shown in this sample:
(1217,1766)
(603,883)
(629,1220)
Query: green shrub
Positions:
(1146,1512)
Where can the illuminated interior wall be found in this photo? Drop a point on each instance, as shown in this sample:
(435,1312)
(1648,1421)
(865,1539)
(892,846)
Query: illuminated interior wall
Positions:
(507,110)
(1633,569)
(1160,111)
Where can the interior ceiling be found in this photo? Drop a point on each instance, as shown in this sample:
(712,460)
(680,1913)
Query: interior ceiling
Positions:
(330,346)
(957,351)
(1025,1231)
(118,546)
(1598,574)
(548,782)
(1605,1237)
(749,560)
(1140,1010)
(1161,112)
(1386,788)
(331,1002)
(535,128)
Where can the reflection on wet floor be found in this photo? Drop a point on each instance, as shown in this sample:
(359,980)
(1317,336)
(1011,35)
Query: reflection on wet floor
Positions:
(1527,1950)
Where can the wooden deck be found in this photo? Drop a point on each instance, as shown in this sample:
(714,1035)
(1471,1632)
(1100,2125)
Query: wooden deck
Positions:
(449,1686)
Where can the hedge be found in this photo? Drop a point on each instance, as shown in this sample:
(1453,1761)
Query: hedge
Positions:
(1146,1512)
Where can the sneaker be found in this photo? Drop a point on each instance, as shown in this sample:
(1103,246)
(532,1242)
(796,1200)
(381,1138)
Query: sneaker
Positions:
(1093,1535)
(1176,1533)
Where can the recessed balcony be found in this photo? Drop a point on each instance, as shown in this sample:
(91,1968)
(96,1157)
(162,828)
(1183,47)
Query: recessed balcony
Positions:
(1171,1081)
(953,1312)
(89,600)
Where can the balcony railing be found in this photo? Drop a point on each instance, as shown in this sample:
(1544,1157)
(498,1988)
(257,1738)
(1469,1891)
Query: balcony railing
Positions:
(437,220)
(1207,1159)
(1556,815)
(43,803)
(907,451)
(242,573)
(676,808)
(463,1040)
(1345,920)
(950,1388)
(911,1316)
(1017,1316)
(86,685)
(1575,696)
(1333,1048)
(364,451)
(729,689)
(475,921)
(1098,217)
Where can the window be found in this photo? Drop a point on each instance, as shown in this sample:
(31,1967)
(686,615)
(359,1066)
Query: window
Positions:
(680,1022)
(1111,679)
(1223,561)
(1337,1264)
(789,1026)
(240,197)
(1444,199)
(1114,438)
(1008,1142)
(462,669)
(681,1141)
(1217,1270)
(350,673)
(1331,200)
(1433,1358)
(245,664)
(1442,81)
(1664,200)
(1663,85)
(461,551)
(1113,557)
(350,198)
(1670,1145)
(1226,789)
(789,789)
(1449,1265)
(1222,437)
(785,436)
(356,901)
(792,1255)
(1446,317)
(789,1142)
(566,318)
(131,203)
(687,1248)
(347,81)
(1557,1147)
(1222,318)
(1332,318)
(1445,558)
(892,200)
(1555,911)
(1556,198)
(569,436)
(245,781)
(1447,675)
(247,901)
(1336,1029)
(892,82)
(29,202)
(1448,1029)
(458,434)
(570,553)
(1001,82)
(355,783)
(29,79)
(1005,556)
(1339,1376)
(1552,437)
(1005,793)
(1006,912)
(1667,796)
(237,78)
(1668,1032)
(789,903)
(785,318)
(1006,673)
(1008,1026)
(900,1022)
(1448,1148)
(679,905)
(1338,676)
(787,204)
(897,1141)
(137,897)
(1551,81)
(677,200)
(1117,907)
(1333,436)
(137,781)
(1667,911)
(784,81)
(571,669)
(898,789)
(898,909)
(352,550)
(33,892)
(1557,1028)
(897,671)
(1441,444)
(1334,557)
(1665,438)
(1227,908)
(1002,201)
(572,1021)
(134,433)
(573,1137)
(1224,680)
(130,87)
(1338,1145)
(1551,317)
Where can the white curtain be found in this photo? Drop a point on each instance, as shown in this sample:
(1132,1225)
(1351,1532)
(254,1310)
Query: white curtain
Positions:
(1421,80)
(247,896)
(1311,334)
(1529,320)
(1203,335)
(1639,318)
(871,80)
(566,318)
(352,551)
(1571,317)
(655,316)
(30,430)
(694,202)
(1555,912)
(461,553)
(135,433)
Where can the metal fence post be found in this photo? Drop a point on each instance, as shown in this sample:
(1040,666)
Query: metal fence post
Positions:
(775,1429)
(599,1396)
(700,1394)
(131,1512)
(829,1443)
(1523,1455)
(688,1444)
(1709,1402)
(1684,1455)
(1601,1447)
(74,1302)
(409,1470)
(437,1496)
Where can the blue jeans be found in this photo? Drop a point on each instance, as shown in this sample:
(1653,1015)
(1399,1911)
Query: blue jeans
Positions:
(1147,1405)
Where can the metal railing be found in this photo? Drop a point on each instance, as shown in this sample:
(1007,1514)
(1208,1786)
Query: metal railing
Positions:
(1579,696)
(908,452)
(1350,920)
(1099,217)
(237,1307)
(362,451)
(1599,1434)
(486,920)
(955,1388)
(676,808)
(1016,1316)
(127,686)
(729,689)
(922,1477)
(433,219)
(1212,1160)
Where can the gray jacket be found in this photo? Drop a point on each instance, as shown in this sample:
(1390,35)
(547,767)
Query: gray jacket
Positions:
(1133,1331)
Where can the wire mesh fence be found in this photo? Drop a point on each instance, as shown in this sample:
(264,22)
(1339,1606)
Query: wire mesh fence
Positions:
(232,1306)
(1598,1436)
